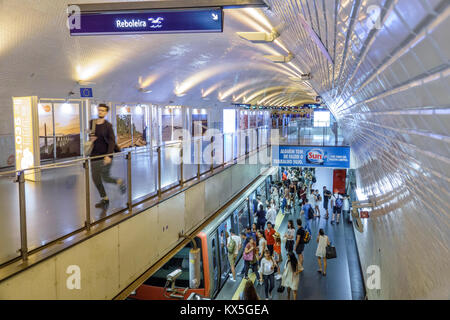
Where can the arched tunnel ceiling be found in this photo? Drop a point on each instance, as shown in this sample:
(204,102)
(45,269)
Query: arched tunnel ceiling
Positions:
(38,56)
(388,87)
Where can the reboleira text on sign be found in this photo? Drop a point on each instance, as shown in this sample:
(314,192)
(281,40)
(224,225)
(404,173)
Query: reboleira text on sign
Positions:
(26,138)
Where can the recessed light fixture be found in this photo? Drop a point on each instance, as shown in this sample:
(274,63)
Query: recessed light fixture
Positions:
(144,91)
(303,77)
(280,59)
(259,37)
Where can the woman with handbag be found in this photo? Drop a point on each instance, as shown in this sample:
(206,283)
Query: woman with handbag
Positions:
(291,274)
(321,251)
(250,257)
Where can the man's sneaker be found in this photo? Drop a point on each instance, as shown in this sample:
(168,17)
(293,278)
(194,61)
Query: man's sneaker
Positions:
(232,279)
(104,203)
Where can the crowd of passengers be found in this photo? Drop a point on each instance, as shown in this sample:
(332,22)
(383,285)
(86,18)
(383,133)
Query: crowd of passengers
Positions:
(294,195)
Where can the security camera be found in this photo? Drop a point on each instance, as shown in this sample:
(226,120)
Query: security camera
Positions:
(174,275)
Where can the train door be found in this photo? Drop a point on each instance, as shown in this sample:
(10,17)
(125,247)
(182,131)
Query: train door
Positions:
(243,216)
(269,182)
(243,221)
(223,252)
(215,263)
(237,229)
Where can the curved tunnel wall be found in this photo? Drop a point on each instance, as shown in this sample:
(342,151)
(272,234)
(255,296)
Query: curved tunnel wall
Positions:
(389,89)
(387,84)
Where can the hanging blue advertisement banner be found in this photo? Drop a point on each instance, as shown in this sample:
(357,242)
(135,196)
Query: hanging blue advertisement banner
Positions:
(155,21)
(311,156)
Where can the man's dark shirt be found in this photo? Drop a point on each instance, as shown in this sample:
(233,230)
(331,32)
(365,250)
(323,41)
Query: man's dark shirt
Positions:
(105,142)
(326,195)
(261,215)
(300,232)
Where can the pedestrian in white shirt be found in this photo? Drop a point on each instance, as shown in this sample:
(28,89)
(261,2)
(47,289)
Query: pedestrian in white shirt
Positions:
(233,247)
(346,208)
(271,214)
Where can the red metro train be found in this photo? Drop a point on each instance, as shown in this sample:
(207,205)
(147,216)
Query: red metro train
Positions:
(214,265)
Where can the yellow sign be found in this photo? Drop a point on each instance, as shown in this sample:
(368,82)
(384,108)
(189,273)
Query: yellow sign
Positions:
(26,137)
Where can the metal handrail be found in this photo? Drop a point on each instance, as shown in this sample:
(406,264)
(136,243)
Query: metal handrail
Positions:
(63,163)
(20,174)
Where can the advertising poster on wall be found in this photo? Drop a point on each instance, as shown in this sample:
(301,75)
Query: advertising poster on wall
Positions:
(199,124)
(243,120)
(171,120)
(260,119)
(46,142)
(311,156)
(253,120)
(59,128)
(123,118)
(67,130)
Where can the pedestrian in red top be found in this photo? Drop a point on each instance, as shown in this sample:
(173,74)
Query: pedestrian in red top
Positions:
(277,254)
(269,232)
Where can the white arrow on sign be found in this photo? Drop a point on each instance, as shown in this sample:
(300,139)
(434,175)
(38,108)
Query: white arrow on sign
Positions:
(215,16)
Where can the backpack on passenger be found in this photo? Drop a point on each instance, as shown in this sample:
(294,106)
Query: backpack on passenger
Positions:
(231,246)
(306,236)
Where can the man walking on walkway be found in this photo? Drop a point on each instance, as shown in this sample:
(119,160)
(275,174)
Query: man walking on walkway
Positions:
(104,144)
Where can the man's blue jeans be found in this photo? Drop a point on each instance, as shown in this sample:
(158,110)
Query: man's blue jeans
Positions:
(308,225)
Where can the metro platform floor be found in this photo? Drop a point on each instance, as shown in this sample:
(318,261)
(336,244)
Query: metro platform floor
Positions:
(343,280)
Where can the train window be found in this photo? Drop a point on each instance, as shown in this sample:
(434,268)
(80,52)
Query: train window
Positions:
(179,261)
(253,203)
(261,192)
(215,263)
(235,223)
(243,217)
(223,253)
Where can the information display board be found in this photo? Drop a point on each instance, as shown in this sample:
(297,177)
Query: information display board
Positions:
(311,156)
(26,135)
(160,21)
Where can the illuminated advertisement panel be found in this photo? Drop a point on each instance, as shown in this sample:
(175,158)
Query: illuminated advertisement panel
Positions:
(26,135)
(311,156)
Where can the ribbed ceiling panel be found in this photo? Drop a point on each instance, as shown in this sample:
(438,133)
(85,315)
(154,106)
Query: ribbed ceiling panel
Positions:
(390,89)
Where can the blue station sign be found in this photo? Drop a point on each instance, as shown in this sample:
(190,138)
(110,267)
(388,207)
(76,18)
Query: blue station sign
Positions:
(311,156)
(161,21)
(86,93)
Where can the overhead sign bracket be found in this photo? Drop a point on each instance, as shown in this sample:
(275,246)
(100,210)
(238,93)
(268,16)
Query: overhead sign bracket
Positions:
(178,4)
